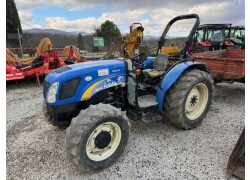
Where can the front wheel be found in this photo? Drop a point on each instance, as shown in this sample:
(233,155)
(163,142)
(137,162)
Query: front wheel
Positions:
(48,117)
(188,100)
(97,137)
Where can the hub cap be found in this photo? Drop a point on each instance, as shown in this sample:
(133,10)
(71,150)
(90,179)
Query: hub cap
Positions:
(196,101)
(103,141)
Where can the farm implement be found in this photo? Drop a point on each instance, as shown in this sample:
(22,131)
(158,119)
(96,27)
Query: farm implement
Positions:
(128,47)
(227,65)
(236,161)
(45,61)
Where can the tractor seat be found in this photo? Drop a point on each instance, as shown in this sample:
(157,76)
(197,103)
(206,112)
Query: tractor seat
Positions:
(160,65)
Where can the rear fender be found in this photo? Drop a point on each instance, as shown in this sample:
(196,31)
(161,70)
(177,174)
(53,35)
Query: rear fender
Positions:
(229,43)
(171,77)
(205,44)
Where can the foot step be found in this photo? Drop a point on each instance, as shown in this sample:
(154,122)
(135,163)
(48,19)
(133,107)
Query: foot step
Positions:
(151,116)
(146,101)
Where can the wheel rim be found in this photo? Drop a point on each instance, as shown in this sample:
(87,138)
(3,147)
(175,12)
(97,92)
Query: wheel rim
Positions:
(196,101)
(103,141)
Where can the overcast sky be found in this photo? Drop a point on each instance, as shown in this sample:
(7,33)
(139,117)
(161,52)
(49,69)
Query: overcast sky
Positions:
(85,15)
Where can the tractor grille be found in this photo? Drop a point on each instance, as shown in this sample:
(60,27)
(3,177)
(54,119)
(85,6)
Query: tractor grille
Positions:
(68,88)
(45,87)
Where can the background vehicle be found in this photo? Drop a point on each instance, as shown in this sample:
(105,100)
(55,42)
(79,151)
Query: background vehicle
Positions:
(238,36)
(127,47)
(211,37)
(171,50)
(90,96)
(226,65)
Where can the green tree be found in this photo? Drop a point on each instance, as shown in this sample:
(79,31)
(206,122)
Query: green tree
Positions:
(12,21)
(109,31)
(12,17)
(80,41)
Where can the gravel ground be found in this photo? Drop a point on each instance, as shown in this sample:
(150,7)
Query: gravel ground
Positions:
(35,149)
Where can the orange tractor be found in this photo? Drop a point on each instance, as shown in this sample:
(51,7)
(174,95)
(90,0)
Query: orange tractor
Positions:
(128,47)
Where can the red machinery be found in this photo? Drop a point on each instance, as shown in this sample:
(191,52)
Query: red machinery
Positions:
(42,64)
(39,67)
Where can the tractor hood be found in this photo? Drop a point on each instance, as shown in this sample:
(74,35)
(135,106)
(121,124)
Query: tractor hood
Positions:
(91,77)
(95,69)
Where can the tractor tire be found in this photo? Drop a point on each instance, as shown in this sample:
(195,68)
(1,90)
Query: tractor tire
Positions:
(97,137)
(187,102)
(49,119)
(199,48)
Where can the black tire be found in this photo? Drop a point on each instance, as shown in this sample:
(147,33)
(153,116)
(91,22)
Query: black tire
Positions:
(49,119)
(176,97)
(81,129)
(199,48)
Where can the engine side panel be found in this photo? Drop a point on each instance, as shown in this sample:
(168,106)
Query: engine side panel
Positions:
(101,85)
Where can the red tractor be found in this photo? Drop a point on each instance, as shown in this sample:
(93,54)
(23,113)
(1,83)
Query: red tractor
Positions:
(211,37)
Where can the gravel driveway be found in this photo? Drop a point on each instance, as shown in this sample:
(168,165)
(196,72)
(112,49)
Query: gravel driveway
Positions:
(35,149)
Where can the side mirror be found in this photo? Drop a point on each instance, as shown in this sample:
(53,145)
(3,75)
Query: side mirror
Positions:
(143,52)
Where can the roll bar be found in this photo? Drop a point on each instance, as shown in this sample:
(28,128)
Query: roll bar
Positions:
(190,36)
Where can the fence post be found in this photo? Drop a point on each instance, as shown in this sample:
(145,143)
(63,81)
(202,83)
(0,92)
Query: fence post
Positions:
(20,44)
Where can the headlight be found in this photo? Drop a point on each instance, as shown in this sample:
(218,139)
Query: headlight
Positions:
(52,91)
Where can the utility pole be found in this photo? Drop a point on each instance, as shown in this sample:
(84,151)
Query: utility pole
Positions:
(20,44)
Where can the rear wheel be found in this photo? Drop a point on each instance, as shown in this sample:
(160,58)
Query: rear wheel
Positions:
(188,100)
(97,137)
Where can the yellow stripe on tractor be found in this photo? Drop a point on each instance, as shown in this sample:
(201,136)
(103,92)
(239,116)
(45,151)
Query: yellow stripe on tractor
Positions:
(87,93)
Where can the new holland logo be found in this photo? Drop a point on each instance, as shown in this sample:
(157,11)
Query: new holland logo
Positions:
(116,70)
(88,78)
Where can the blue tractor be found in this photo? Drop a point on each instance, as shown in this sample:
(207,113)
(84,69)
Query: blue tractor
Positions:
(95,99)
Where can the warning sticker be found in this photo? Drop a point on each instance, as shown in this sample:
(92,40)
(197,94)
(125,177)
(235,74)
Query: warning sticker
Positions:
(103,72)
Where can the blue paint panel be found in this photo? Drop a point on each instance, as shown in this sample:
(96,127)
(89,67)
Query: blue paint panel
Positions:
(110,82)
(148,64)
(170,79)
(114,67)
